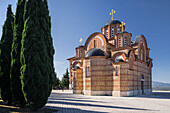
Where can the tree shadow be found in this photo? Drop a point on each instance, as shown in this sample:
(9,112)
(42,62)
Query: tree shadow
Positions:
(93,105)
(76,100)
(72,110)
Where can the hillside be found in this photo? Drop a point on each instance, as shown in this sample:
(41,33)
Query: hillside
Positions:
(160,86)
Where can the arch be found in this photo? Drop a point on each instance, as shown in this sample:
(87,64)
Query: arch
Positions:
(119,59)
(98,35)
(142,51)
(76,64)
(144,40)
(119,54)
(142,47)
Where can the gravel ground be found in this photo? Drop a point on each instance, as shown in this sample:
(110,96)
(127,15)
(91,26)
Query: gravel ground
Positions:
(66,102)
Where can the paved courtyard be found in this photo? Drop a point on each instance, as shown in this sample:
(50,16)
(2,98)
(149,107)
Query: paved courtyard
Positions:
(66,102)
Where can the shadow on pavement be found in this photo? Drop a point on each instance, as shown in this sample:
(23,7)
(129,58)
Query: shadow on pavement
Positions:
(73,110)
(93,105)
(75,100)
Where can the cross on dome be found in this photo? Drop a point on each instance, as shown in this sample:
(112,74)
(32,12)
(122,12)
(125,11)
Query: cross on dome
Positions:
(81,40)
(112,12)
(122,26)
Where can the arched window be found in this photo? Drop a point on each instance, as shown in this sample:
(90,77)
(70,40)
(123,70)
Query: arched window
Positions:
(107,33)
(125,41)
(119,42)
(112,32)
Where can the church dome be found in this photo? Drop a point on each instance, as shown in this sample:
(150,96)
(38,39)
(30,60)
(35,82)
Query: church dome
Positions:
(113,22)
(95,52)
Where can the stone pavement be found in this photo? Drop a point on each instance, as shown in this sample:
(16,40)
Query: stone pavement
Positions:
(66,102)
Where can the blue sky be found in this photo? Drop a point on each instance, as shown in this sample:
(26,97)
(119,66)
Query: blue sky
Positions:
(75,19)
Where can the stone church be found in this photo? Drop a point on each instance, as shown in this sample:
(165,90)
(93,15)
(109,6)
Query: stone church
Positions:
(109,63)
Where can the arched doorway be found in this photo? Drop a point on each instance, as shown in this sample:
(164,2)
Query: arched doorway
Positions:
(142,84)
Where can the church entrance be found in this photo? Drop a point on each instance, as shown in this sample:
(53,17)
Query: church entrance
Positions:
(142,87)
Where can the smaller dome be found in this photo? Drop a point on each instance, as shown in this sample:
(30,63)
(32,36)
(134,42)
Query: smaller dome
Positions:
(113,22)
(95,52)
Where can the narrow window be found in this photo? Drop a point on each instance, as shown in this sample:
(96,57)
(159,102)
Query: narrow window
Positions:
(94,43)
(112,32)
(142,55)
(116,70)
(142,77)
(87,72)
(118,30)
(81,53)
(107,33)
(119,42)
(72,84)
(125,43)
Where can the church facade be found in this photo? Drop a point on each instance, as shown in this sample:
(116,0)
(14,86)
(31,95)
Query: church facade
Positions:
(109,63)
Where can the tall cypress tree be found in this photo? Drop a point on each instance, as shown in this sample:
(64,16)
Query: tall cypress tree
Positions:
(16,87)
(49,44)
(6,43)
(36,60)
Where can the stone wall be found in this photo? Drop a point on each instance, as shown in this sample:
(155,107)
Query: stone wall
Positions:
(101,76)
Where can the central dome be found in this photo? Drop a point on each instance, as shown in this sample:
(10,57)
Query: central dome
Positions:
(95,52)
(113,22)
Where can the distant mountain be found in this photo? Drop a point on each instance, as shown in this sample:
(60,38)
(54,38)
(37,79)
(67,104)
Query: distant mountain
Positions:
(160,84)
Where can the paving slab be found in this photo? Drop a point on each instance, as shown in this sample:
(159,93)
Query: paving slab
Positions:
(67,102)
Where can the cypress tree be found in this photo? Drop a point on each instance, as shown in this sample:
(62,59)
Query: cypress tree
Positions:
(17,93)
(5,56)
(65,79)
(37,70)
(0,69)
(49,44)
